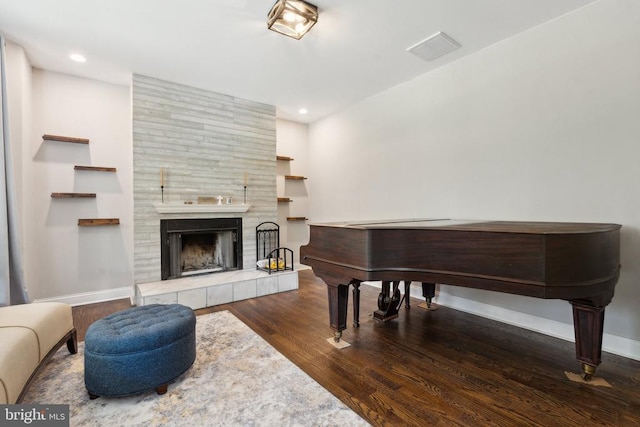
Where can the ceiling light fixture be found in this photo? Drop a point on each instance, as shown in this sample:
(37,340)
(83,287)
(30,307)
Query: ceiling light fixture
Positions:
(293,18)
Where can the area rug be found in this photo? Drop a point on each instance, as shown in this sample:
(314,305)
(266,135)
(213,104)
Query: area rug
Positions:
(238,379)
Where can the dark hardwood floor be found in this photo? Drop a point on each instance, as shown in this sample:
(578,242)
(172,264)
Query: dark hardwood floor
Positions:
(442,367)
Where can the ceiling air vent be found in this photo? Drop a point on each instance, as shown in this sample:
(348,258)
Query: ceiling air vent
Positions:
(434,46)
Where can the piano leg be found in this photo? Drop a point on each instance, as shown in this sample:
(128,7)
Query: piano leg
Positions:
(588,322)
(428,292)
(356,304)
(338,299)
(407,294)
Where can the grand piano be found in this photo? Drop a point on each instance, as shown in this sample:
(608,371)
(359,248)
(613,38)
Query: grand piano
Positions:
(576,262)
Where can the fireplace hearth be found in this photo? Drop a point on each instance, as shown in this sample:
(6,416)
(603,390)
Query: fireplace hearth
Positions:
(200,246)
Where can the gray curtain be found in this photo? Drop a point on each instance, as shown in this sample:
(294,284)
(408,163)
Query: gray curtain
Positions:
(12,290)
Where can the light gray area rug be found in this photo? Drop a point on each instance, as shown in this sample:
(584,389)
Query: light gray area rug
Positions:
(238,379)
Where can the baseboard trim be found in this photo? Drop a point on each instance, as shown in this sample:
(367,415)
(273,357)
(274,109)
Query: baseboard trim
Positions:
(614,344)
(92,297)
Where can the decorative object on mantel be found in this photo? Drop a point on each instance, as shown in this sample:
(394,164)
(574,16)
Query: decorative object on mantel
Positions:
(293,18)
(206,200)
(190,207)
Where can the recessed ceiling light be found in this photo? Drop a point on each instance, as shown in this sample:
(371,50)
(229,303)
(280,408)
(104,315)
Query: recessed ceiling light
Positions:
(77,57)
(303,111)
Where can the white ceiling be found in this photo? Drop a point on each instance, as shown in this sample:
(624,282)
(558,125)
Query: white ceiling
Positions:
(357,48)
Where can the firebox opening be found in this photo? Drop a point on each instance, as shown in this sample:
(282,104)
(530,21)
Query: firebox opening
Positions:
(199,246)
(206,253)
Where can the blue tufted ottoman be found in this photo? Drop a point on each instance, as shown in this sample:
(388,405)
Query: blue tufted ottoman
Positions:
(139,349)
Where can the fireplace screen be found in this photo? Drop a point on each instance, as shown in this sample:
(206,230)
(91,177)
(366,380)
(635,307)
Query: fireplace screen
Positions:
(198,246)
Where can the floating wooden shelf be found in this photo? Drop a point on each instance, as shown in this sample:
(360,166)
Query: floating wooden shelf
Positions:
(73,195)
(94,168)
(296,218)
(47,137)
(295,177)
(284,158)
(284,199)
(84,222)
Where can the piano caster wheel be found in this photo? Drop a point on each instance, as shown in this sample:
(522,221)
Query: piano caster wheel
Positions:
(587,372)
(337,335)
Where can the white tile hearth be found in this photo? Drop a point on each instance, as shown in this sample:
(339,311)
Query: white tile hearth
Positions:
(215,289)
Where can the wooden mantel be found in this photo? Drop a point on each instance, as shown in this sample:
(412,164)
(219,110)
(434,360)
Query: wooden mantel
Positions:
(176,207)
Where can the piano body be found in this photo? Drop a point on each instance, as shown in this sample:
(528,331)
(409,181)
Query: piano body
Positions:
(576,262)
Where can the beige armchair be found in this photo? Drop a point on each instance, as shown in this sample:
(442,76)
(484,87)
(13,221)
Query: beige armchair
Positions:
(30,334)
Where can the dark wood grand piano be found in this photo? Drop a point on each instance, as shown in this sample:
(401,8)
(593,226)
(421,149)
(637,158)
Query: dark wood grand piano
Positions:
(576,262)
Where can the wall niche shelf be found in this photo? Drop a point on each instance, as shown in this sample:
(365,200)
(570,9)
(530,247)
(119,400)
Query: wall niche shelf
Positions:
(284,199)
(73,195)
(92,222)
(295,177)
(59,138)
(296,218)
(94,168)
(284,158)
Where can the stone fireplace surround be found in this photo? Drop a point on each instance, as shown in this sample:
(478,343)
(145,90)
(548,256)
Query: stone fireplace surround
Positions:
(207,144)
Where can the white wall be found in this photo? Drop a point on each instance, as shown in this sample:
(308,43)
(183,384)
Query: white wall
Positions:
(292,141)
(543,126)
(63,261)
(61,258)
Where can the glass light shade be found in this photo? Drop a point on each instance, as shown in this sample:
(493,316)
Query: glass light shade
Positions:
(293,18)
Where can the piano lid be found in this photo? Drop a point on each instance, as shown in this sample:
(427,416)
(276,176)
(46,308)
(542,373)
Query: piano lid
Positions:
(477,225)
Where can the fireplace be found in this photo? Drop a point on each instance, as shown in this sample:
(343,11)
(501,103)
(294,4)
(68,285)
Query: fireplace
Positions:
(200,246)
